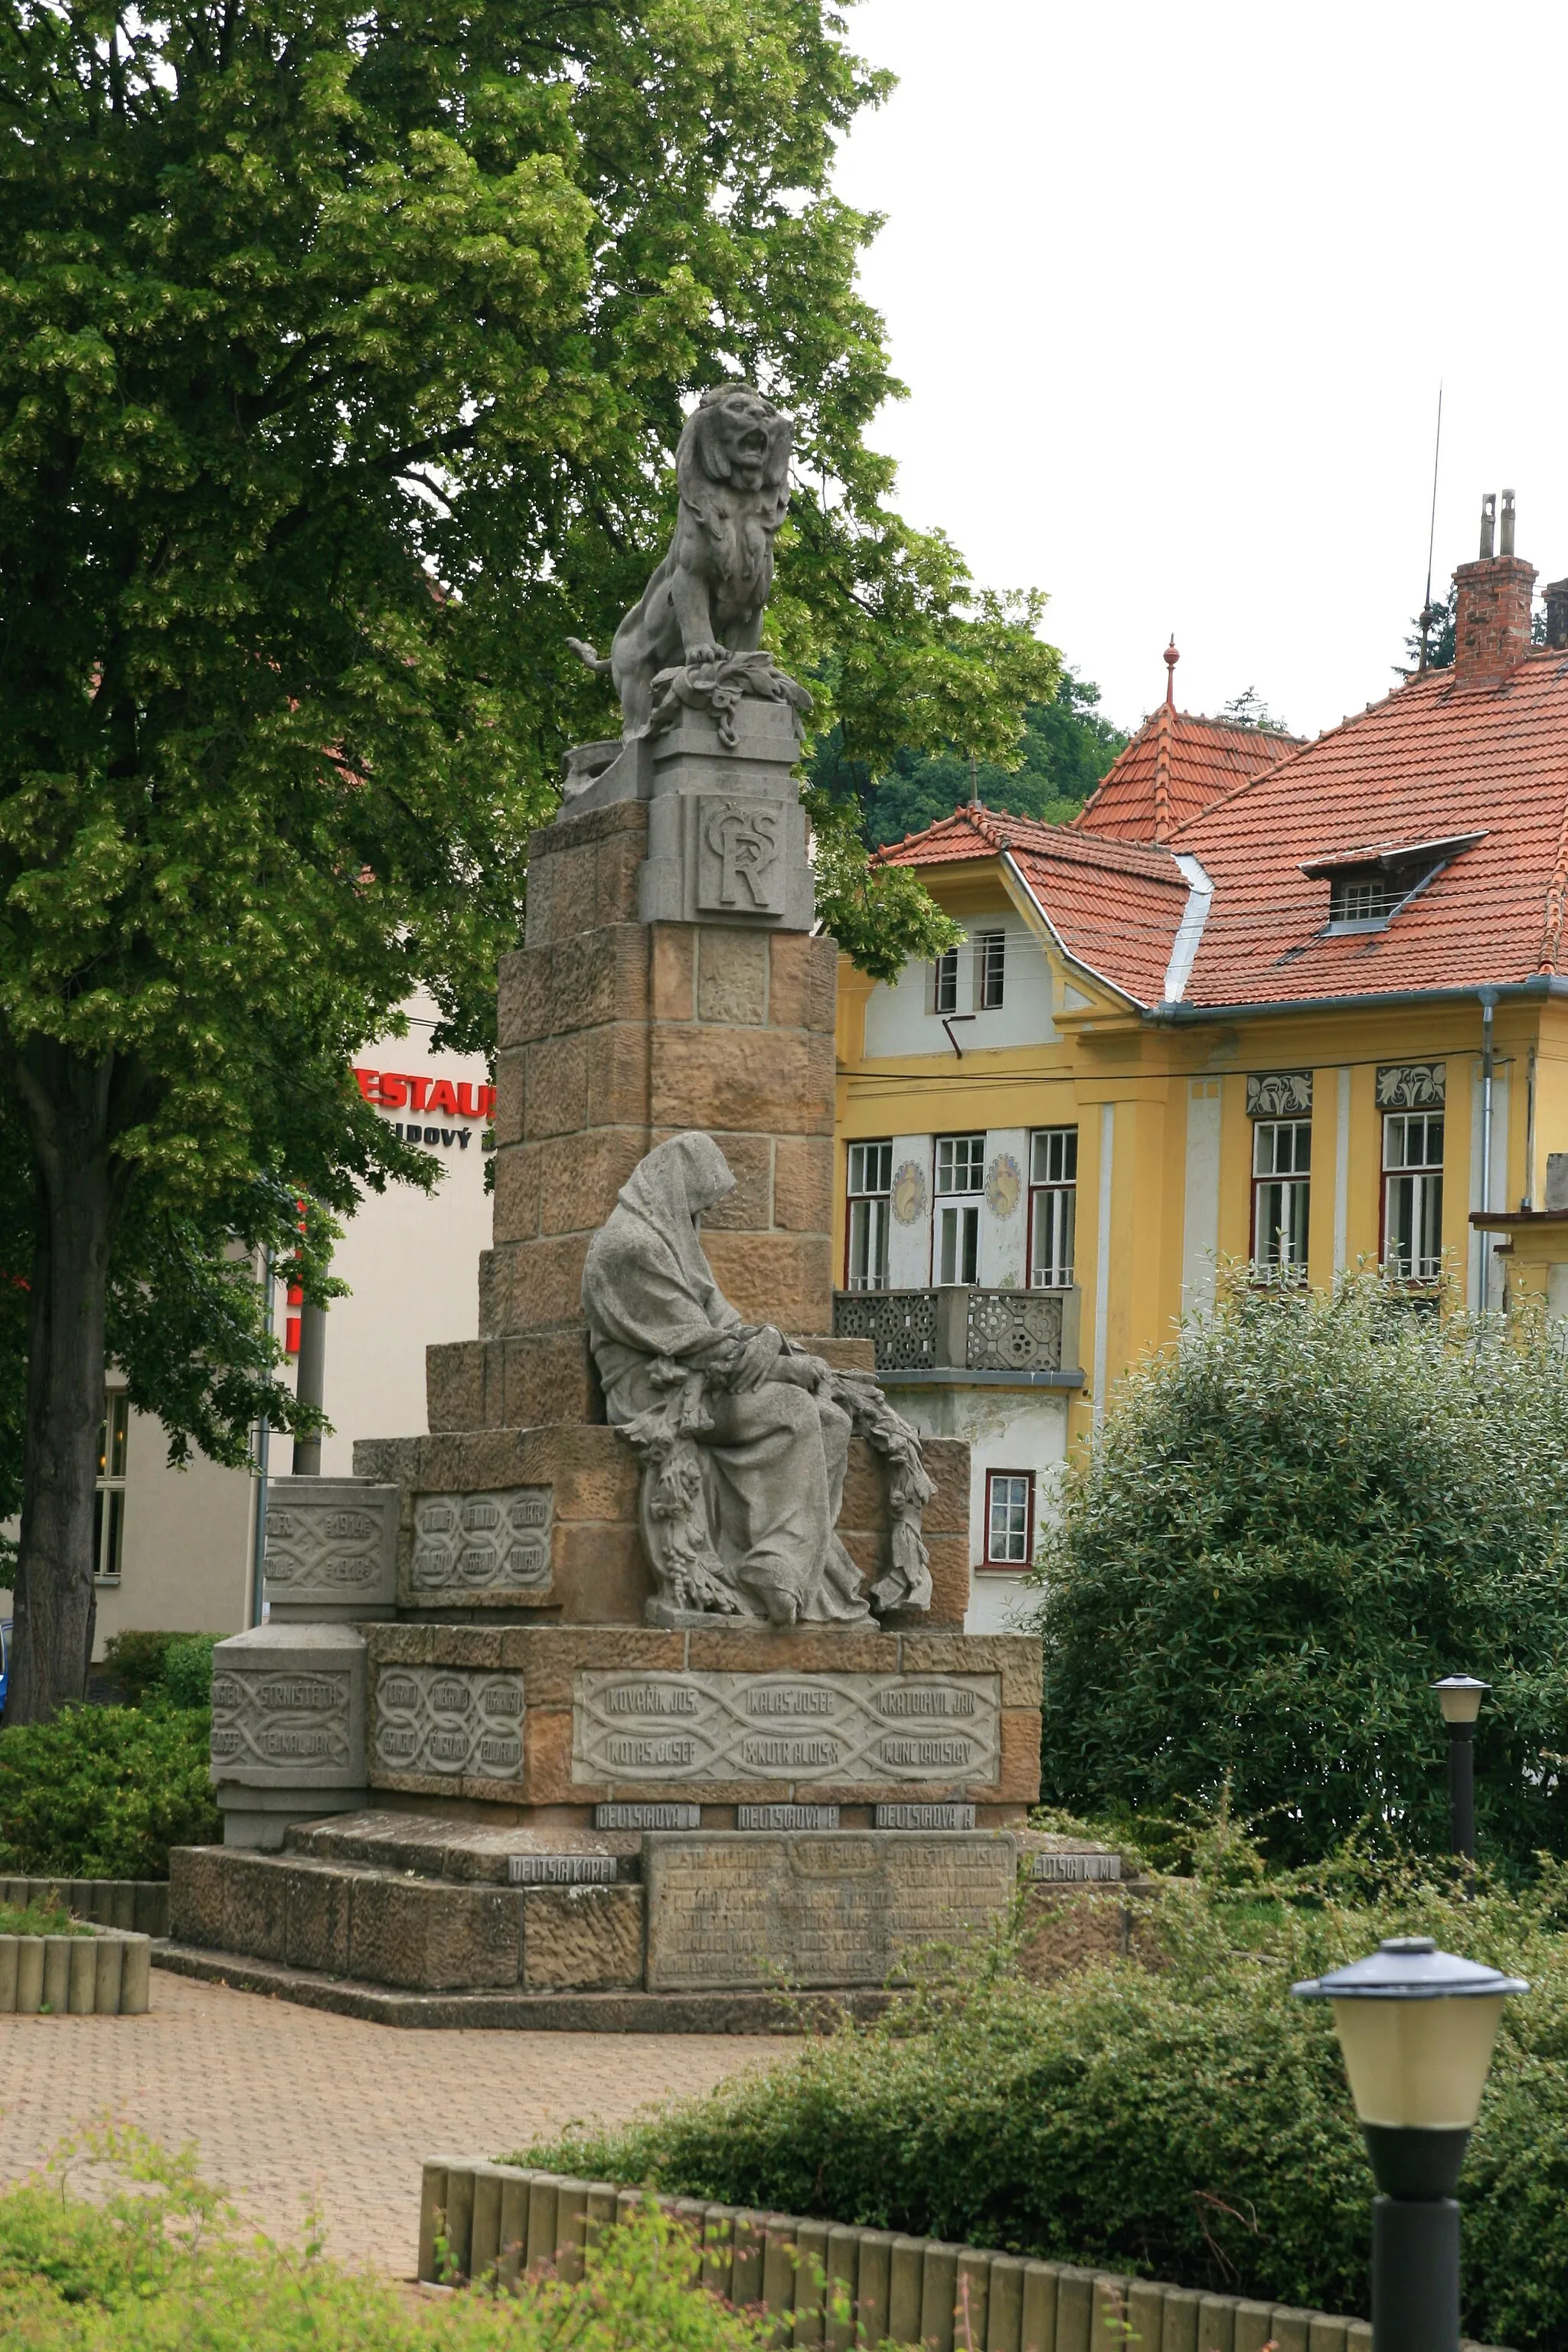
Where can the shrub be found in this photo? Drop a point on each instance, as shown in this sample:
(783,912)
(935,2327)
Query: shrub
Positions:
(105,1792)
(177,1664)
(1291,1525)
(161,2261)
(1190,2121)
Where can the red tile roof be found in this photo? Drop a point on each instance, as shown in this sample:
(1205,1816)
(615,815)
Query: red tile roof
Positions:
(1114,905)
(1438,758)
(1175,766)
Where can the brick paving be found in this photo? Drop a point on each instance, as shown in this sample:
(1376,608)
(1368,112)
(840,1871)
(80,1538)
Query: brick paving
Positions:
(286,2103)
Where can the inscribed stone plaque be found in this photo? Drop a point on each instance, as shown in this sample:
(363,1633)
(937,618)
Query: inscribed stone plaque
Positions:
(449,1719)
(561,1869)
(786,1817)
(925,1816)
(707,1725)
(482,1543)
(646,1817)
(288,1707)
(740,861)
(734,1908)
(1075,1869)
(331,1544)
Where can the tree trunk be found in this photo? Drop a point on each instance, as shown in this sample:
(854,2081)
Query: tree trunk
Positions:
(67,1101)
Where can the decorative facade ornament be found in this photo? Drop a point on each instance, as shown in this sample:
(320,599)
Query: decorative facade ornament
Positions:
(912,1193)
(719,687)
(1412,1086)
(1003,1186)
(1279,1094)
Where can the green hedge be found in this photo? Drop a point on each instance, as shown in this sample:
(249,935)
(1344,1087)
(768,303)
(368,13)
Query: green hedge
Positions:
(177,1667)
(159,2262)
(105,1792)
(1189,2122)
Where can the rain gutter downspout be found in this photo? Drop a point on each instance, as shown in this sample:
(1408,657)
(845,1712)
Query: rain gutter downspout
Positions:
(1543,984)
(1487,997)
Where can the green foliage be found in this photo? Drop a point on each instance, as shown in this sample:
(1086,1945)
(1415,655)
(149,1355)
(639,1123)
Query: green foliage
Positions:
(188,1670)
(1189,2122)
(161,2261)
(1291,1524)
(177,1667)
(105,1792)
(1248,708)
(1064,750)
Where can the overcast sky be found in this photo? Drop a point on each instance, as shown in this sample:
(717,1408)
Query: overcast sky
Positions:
(1173,288)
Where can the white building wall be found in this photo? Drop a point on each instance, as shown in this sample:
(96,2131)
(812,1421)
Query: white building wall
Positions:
(899,1021)
(1004,1212)
(1006,1429)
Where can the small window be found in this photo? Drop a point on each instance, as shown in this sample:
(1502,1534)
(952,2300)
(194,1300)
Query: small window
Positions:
(1369,894)
(990,969)
(1281,1197)
(108,1490)
(1009,1519)
(961,1163)
(1053,1204)
(944,972)
(870,1181)
(1413,1196)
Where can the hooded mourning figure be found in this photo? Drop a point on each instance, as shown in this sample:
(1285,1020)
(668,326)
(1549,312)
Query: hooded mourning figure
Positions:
(743,1444)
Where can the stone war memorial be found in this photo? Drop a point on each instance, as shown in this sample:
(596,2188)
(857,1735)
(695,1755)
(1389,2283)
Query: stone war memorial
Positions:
(637,1689)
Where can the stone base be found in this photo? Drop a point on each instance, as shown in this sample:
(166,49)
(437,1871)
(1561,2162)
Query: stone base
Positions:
(592,2012)
(261,1819)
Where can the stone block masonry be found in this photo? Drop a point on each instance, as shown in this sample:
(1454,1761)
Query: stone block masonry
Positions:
(478,2220)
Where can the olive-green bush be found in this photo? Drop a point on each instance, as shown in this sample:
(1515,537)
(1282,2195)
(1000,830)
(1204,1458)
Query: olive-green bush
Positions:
(1189,2121)
(147,1664)
(105,1792)
(161,2263)
(1291,1523)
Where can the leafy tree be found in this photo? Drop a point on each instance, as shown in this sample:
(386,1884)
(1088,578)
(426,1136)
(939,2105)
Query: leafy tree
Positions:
(1291,1524)
(307,308)
(1248,708)
(1439,634)
(1064,750)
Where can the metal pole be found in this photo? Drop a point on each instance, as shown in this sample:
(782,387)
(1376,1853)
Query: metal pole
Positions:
(258,1547)
(1462,1790)
(1414,2274)
(311,1385)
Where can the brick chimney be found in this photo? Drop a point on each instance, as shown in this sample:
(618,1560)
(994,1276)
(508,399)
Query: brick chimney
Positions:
(1491,629)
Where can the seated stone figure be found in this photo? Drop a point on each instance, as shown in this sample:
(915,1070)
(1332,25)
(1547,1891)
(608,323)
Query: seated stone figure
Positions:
(743,1435)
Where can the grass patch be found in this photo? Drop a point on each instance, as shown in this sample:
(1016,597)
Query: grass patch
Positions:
(159,2262)
(38,1920)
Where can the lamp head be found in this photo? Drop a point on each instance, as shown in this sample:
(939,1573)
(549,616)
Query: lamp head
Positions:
(1417,2027)
(1460,1696)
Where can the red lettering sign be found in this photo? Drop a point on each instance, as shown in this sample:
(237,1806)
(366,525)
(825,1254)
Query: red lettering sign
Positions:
(442,1096)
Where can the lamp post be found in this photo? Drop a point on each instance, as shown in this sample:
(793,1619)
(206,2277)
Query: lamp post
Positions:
(1417,2027)
(1459,1696)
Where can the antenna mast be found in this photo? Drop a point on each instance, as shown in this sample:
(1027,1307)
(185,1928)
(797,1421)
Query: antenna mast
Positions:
(1427,615)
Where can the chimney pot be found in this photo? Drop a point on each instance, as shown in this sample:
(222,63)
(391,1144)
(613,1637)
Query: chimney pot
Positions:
(1505,543)
(1488,525)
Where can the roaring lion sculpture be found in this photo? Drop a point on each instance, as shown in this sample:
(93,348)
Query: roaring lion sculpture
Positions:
(707,597)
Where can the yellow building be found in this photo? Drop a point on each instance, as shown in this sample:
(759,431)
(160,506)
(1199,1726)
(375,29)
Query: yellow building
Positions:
(1300,1004)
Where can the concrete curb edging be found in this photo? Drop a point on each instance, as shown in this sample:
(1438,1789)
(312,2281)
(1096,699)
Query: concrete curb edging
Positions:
(141,1906)
(905,2290)
(106,1974)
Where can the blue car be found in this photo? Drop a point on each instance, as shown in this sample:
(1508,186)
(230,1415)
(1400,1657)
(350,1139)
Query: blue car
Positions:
(5,1660)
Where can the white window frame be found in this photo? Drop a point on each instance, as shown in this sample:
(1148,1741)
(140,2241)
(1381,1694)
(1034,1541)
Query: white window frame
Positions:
(1412,1196)
(1053,1207)
(1281,1198)
(867,1217)
(1011,1560)
(108,1489)
(960,1162)
(944,982)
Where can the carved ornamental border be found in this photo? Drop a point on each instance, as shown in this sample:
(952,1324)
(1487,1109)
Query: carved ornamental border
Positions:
(1279,1094)
(1412,1086)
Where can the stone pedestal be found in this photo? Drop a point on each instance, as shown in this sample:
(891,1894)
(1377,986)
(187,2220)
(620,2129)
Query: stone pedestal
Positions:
(505,1687)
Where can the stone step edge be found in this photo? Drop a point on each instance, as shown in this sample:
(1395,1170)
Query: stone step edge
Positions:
(106,1974)
(907,2290)
(141,1905)
(533,2013)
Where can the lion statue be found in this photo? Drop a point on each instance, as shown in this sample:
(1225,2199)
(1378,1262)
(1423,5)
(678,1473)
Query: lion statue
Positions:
(707,597)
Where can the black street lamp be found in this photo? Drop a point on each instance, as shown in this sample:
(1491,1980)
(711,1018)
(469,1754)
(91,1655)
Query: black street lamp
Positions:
(1417,2027)
(1460,1696)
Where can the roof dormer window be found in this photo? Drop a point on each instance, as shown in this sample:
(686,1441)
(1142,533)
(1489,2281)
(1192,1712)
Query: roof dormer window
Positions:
(1367,887)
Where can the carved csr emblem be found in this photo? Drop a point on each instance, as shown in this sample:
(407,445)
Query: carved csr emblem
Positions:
(739,867)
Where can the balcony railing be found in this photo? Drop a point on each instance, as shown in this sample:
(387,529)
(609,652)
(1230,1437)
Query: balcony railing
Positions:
(958,1328)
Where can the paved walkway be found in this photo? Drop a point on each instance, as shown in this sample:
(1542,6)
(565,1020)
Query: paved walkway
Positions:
(283,2102)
